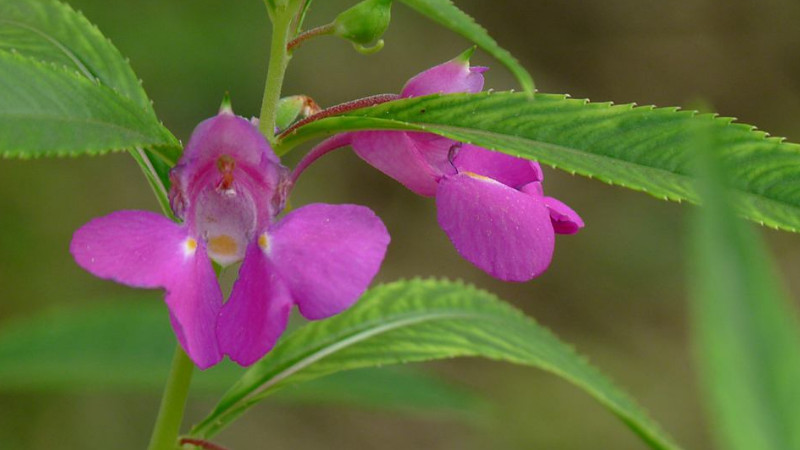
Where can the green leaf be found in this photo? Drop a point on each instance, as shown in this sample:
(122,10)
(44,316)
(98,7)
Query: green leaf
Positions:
(127,346)
(418,321)
(51,111)
(642,148)
(746,331)
(448,15)
(54,34)
(50,31)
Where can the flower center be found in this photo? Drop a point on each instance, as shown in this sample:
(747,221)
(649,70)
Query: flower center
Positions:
(226,220)
(226,164)
(223,245)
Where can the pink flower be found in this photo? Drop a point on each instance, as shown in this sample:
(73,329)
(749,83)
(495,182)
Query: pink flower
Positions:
(227,189)
(490,205)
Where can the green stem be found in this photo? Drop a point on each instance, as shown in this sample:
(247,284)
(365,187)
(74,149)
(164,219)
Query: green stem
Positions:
(278,60)
(170,414)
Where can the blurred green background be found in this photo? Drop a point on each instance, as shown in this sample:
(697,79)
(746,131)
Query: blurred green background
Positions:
(616,290)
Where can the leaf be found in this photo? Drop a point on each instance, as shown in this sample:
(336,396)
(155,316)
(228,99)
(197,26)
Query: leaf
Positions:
(52,32)
(448,15)
(417,320)
(47,110)
(127,346)
(393,389)
(642,148)
(745,329)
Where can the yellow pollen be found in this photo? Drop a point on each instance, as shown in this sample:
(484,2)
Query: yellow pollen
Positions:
(223,245)
(263,242)
(476,176)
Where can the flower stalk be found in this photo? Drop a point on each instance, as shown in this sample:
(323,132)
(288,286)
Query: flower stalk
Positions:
(278,61)
(173,403)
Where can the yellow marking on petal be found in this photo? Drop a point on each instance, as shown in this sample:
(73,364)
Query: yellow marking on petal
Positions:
(189,246)
(478,177)
(263,242)
(223,245)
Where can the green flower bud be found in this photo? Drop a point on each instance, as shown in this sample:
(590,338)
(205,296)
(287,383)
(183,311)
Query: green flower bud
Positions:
(294,108)
(364,23)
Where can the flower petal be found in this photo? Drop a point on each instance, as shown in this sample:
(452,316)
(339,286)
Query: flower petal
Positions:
(448,78)
(504,232)
(144,249)
(194,300)
(327,255)
(228,134)
(511,171)
(137,248)
(228,153)
(256,314)
(396,154)
(565,219)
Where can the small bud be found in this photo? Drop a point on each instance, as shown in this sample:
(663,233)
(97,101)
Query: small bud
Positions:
(294,108)
(364,23)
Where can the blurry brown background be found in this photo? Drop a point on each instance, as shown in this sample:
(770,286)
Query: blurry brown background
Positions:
(615,290)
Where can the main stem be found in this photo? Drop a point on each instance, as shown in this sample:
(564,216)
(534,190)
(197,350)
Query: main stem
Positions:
(278,60)
(170,414)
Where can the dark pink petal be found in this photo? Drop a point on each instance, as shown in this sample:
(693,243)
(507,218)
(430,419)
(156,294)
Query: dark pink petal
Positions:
(194,300)
(144,249)
(451,77)
(503,231)
(396,154)
(535,189)
(511,171)
(256,314)
(327,255)
(228,134)
(227,153)
(565,220)
(436,150)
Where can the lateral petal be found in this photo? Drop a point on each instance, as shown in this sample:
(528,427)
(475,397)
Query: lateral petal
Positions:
(137,248)
(504,232)
(327,255)
(144,249)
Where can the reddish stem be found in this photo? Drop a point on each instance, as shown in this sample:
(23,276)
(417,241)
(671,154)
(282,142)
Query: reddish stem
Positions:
(340,108)
(308,34)
(200,443)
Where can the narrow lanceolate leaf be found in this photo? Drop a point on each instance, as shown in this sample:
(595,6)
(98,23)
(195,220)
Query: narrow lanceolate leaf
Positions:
(126,346)
(643,148)
(448,15)
(747,336)
(47,110)
(417,320)
(50,31)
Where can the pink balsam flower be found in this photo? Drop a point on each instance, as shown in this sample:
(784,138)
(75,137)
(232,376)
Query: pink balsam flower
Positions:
(227,189)
(491,205)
